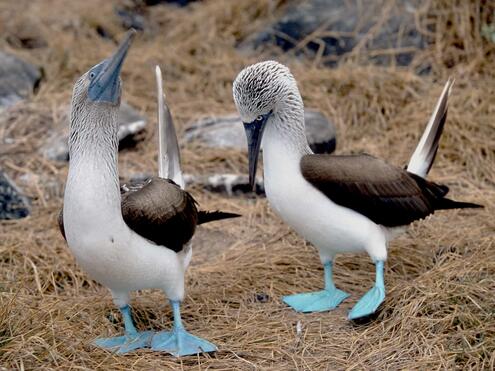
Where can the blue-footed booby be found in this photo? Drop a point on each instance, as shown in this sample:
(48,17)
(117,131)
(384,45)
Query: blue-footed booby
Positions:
(341,204)
(142,238)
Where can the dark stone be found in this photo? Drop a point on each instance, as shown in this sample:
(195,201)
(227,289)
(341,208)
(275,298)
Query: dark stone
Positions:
(131,18)
(344,24)
(13,204)
(228,132)
(176,2)
(18,79)
(131,125)
(262,297)
(104,33)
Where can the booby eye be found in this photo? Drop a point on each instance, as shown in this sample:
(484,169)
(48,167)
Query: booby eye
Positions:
(92,75)
(259,118)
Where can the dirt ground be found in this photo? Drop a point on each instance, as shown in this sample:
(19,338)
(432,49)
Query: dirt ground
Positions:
(440,276)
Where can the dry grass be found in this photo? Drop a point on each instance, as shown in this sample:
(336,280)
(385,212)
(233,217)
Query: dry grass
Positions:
(440,307)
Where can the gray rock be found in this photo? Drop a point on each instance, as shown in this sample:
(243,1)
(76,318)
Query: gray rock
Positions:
(344,24)
(13,204)
(176,2)
(131,124)
(228,184)
(18,79)
(228,132)
(131,18)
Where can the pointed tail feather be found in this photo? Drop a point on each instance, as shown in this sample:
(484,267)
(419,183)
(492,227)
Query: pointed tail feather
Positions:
(169,154)
(211,216)
(446,203)
(424,154)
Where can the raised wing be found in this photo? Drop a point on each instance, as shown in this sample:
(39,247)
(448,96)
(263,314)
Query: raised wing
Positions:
(386,194)
(169,153)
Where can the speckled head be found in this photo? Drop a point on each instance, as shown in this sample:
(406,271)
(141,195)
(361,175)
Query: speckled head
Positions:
(262,88)
(266,94)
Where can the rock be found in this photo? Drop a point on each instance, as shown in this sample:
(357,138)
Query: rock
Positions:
(177,2)
(343,25)
(131,18)
(261,297)
(228,184)
(131,124)
(13,204)
(18,79)
(228,132)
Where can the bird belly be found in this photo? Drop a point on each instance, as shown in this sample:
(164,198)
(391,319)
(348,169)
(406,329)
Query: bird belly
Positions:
(112,254)
(126,262)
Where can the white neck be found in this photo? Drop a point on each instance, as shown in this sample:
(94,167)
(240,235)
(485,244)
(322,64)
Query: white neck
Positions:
(93,181)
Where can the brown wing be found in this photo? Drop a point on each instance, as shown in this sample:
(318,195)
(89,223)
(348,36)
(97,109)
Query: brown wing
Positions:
(386,194)
(161,212)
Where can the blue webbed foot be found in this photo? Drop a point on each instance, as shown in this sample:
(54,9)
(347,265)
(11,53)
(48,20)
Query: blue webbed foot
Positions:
(126,343)
(180,343)
(370,302)
(132,339)
(319,301)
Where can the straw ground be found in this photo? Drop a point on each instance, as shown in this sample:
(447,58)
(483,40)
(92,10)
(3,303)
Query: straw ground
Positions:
(439,312)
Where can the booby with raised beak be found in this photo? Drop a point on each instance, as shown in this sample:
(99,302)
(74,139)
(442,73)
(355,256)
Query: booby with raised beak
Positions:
(341,204)
(137,240)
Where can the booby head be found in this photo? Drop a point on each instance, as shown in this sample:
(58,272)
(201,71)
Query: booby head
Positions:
(102,84)
(266,94)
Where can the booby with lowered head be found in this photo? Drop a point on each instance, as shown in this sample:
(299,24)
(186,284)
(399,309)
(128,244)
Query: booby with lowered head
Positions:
(137,240)
(340,204)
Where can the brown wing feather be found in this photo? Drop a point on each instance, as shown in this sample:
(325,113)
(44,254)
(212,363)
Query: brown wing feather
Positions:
(386,194)
(161,212)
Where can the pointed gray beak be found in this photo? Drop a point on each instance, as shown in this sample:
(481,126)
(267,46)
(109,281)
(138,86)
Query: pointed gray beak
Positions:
(105,83)
(254,134)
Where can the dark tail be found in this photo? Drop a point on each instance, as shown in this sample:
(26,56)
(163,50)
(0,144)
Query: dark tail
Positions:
(445,203)
(211,216)
(436,194)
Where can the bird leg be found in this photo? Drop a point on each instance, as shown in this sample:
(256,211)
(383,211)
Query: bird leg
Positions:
(318,301)
(370,302)
(132,339)
(179,342)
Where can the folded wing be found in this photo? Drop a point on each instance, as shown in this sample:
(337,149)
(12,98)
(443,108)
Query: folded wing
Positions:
(386,194)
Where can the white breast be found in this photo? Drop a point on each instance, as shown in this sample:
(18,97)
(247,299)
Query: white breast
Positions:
(328,226)
(106,247)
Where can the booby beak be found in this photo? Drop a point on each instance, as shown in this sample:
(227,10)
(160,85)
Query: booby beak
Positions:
(105,77)
(254,134)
